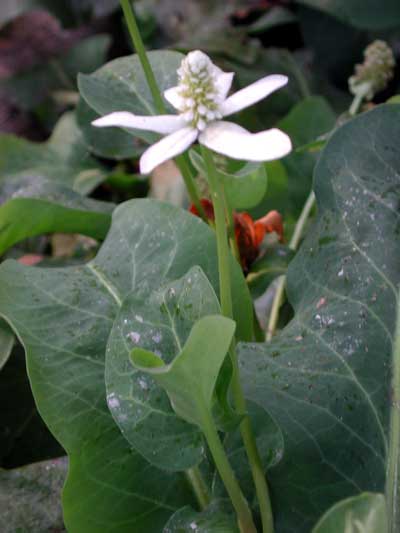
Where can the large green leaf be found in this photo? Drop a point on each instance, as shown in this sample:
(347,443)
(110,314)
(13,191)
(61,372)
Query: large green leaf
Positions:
(365,513)
(49,207)
(159,321)
(365,14)
(63,159)
(121,86)
(190,378)
(63,317)
(326,378)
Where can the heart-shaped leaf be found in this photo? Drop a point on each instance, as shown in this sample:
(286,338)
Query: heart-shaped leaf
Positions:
(65,339)
(326,378)
(190,378)
(158,321)
(121,86)
(365,513)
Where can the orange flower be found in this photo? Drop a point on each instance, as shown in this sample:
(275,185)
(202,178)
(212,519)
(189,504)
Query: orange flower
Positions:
(249,233)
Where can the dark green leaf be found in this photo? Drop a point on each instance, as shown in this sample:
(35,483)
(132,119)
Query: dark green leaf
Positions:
(306,121)
(365,14)
(48,207)
(365,513)
(328,389)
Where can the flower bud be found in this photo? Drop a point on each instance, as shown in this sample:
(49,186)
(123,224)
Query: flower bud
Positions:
(375,72)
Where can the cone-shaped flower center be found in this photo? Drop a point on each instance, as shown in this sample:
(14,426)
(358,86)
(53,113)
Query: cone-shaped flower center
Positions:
(198,90)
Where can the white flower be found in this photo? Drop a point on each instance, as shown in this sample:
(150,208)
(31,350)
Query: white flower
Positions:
(201,101)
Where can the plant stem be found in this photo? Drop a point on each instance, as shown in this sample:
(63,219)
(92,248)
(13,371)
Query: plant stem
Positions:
(246,430)
(199,486)
(245,520)
(231,228)
(181,161)
(293,245)
(393,467)
(141,52)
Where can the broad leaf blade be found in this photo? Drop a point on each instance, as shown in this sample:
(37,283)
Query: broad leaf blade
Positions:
(63,317)
(159,321)
(190,378)
(121,85)
(46,207)
(326,378)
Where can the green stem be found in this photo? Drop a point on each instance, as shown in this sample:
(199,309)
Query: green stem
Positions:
(246,430)
(181,162)
(245,520)
(293,245)
(199,486)
(141,52)
(231,228)
(393,467)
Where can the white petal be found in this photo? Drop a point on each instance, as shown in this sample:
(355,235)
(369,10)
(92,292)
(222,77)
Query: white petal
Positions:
(234,141)
(223,83)
(173,97)
(167,148)
(159,123)
(252,93)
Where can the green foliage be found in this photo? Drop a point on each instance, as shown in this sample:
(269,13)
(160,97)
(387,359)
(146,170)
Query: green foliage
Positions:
(190,378)
(365,14)
(51,207)
(63,159)
(365,513)
(325,378)
(157,321)
(65,340)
